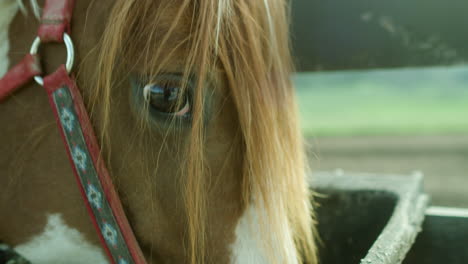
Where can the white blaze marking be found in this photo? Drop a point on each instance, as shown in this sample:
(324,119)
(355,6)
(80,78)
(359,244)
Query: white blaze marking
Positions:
(8,10)
(247,249)
(60,244)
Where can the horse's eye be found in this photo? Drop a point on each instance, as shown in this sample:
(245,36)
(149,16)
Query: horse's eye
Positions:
(166,97)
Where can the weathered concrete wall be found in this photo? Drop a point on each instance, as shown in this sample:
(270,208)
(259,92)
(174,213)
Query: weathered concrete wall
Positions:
(402,205)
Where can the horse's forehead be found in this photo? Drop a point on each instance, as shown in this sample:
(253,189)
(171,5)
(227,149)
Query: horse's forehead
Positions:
(166,12)
(167,34)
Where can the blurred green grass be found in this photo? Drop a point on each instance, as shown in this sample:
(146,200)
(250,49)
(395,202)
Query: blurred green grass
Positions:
(413,101)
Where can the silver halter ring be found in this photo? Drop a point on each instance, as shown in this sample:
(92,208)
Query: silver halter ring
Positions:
(70,54)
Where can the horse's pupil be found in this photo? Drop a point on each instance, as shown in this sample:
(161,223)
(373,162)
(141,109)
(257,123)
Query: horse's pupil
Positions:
(164,98)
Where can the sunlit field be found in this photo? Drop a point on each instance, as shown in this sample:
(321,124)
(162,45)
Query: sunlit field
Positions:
(391,121)
(427,101)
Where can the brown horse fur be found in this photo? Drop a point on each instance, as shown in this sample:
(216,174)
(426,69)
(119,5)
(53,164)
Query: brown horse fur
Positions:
(185,188)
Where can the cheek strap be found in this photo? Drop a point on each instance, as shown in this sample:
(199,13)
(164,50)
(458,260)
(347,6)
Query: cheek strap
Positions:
(91,174)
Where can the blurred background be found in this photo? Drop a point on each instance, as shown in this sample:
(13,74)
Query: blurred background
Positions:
(383,87)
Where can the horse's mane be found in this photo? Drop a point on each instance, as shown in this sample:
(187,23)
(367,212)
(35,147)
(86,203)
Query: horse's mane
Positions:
(248,41)
(34,6)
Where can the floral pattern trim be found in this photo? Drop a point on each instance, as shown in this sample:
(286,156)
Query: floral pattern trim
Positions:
(88,176)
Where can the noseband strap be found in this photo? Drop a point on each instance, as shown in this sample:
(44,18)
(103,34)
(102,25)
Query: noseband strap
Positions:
(92,176)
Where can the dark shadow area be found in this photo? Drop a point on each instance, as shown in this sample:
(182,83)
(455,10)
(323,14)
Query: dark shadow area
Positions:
(350,222)
(443,240)
(364,34)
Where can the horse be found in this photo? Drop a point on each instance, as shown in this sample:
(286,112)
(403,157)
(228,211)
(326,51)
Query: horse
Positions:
(197,120)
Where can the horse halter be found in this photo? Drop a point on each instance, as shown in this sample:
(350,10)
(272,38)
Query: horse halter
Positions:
(91,174)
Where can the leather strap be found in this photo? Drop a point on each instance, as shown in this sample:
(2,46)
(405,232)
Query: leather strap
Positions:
(19,75)
(77,133)
(55,20)
(92,176)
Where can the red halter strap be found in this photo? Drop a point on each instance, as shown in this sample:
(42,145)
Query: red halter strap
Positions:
(92,176)
(55,20)
(19,75)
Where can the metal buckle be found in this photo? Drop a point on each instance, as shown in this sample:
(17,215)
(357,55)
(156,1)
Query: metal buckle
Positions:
(70,54)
